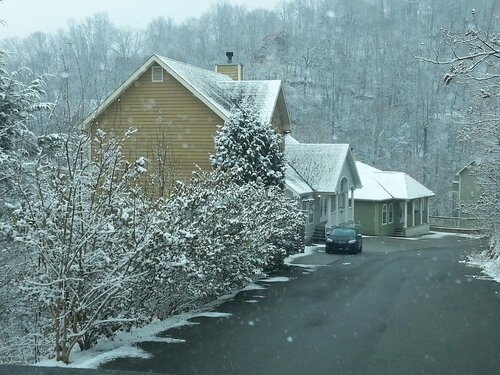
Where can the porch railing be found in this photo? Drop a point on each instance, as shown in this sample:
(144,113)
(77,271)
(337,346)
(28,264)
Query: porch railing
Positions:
(341,216)
(452,223)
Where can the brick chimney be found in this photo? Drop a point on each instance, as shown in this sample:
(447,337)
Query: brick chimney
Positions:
(234,71)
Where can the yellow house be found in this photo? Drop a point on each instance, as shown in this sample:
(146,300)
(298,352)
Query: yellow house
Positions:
(176,109)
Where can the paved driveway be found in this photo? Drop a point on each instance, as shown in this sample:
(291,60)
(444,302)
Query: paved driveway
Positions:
(401,307)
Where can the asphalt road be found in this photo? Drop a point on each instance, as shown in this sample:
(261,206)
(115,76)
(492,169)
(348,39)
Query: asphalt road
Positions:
(401,307)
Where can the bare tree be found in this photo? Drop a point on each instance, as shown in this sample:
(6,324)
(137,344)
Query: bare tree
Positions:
(475,61)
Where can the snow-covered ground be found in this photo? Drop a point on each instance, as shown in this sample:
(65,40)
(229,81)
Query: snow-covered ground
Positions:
(488,261)
(124,344)
(435,235)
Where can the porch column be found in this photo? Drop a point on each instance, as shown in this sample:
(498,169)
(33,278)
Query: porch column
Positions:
(329,211)
(346,210)
(406,215)
(428,210)
(336,209)
(421,210)
(352,205)
(413,213)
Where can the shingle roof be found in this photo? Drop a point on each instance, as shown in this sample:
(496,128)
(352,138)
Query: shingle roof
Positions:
(261,94)
(216,90)
(295,182)
(384,185)
(223,91)
(319,165)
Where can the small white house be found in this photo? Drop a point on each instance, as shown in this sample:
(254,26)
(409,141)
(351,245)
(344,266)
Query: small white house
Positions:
(323,177)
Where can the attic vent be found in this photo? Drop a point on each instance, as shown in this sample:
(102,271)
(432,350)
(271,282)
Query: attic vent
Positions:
(156,73)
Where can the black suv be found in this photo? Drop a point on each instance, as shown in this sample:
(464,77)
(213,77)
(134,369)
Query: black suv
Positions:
(345,240)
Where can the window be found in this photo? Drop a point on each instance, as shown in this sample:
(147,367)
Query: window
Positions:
(384,214)
(390,212)
(156,73)
(324,206)
(416,207)
(334,203)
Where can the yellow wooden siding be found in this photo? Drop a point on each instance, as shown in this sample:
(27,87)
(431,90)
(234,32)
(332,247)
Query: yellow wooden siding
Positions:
(163,110)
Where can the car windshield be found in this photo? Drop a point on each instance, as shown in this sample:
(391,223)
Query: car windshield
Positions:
(343,232)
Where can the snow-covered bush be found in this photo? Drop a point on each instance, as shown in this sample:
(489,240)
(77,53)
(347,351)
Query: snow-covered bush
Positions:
(248,149)
(218,235)
(18,103)
(82,227)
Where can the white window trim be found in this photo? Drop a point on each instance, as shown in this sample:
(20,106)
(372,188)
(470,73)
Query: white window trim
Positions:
(384,209)
(153,68)
(390,213)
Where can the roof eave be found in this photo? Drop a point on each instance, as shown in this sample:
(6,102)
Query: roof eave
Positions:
(115,94)
(209,103)
(143,68)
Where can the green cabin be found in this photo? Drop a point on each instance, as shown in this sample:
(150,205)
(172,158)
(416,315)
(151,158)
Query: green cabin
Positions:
(391,203)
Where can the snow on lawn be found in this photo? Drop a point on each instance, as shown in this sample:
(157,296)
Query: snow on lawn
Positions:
(309,250)
(436,235)
(124,343)
(489,261)
(445,234)
(253,286)
(277,279)
(490,267)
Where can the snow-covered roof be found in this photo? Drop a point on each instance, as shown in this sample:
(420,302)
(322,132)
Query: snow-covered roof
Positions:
(294,182)
(261,94)
(381,185)
(319,165)
(217,91)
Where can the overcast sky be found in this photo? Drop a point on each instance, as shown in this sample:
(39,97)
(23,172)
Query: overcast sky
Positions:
(23,17)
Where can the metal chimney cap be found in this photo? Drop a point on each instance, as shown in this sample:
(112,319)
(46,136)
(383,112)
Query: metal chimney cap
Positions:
(229,56)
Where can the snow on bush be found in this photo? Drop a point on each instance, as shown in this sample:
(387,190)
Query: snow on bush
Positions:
(489,259)
(81,226)
(248,149)
(217,236)
(98,257)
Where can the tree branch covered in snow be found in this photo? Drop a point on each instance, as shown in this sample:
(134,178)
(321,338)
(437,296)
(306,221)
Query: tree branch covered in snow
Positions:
(475,61)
